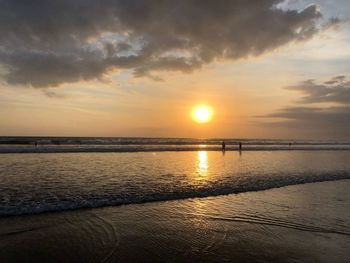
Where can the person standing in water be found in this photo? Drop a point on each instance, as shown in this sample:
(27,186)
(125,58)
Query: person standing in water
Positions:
(240,146)
(223,146)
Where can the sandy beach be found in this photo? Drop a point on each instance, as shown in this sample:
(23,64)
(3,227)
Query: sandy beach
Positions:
(302,223)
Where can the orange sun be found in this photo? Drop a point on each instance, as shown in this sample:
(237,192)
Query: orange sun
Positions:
(202,113)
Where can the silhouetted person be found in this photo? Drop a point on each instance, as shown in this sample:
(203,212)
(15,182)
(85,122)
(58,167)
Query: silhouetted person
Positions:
(223,146)
(240,146)
(36,144)
(290,144)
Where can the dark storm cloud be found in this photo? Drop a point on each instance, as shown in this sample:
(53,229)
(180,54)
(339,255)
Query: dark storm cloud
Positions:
(46,43)
(312,117)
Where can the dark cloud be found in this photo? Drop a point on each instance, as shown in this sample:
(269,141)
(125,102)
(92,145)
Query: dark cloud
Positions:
(335,90)
(312,122)
(312,118)
(46,43)
(333,23)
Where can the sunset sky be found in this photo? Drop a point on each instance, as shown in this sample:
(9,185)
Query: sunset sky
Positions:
(267,68)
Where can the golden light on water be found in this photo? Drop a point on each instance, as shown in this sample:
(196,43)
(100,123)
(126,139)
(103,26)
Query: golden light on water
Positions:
(202,163)
(202,113)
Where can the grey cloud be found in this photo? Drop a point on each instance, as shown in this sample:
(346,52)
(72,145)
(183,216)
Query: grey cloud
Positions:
(330,115)
(333,23)
(46,43)
(52,94)
(41,69)
(313,119)
(335,90)
(330,122)
(335,80)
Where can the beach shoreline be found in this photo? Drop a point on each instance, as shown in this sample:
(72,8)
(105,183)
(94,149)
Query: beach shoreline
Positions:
(301,223)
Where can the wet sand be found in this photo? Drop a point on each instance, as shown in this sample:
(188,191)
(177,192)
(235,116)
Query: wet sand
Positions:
(301,223)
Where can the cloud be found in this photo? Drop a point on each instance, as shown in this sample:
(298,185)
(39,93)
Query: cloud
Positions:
(52,94)
(47,43)
(312,118)
(336,90)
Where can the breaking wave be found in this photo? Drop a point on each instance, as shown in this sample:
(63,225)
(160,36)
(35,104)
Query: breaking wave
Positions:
(216,189)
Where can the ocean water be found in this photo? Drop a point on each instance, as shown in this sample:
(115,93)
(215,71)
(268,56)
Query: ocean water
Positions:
(41,182)
(84,144)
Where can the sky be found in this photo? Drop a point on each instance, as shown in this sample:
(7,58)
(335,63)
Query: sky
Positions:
(268,68)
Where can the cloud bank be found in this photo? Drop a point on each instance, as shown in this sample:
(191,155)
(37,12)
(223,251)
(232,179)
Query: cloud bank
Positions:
(312,116)
(47,43)
(335,90)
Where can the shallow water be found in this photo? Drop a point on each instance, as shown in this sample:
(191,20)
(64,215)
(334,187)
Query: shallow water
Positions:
(302,223)
(35,183)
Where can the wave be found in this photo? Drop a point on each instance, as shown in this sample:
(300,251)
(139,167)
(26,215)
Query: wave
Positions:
(157,141)
(161,148)
(82,144)
(249,185)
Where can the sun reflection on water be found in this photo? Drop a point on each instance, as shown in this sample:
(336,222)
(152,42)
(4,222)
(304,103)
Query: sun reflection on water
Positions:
(202,163)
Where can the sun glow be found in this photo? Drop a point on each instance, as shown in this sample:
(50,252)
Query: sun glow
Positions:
(202,167)
(202,113)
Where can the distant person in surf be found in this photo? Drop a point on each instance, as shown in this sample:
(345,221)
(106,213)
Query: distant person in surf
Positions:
(223,146)
(240,146)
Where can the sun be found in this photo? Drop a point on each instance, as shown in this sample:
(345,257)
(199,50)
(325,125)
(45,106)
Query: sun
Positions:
(202,113)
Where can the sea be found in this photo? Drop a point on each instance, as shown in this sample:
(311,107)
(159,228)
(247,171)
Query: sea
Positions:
(138,144)
(51,174)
